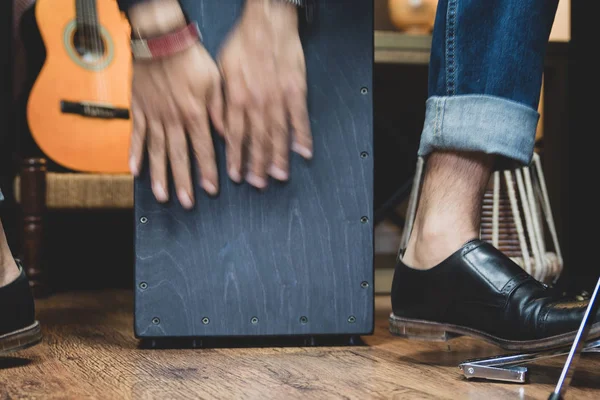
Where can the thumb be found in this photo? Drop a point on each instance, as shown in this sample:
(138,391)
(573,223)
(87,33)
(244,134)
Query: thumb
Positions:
(138,138)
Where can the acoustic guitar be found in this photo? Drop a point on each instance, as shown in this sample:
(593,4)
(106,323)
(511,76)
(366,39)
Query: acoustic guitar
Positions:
(79,106)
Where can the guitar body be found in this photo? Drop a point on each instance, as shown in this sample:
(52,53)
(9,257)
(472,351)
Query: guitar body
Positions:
(79,106)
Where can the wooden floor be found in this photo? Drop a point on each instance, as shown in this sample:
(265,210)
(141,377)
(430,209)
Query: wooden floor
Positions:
(89,352)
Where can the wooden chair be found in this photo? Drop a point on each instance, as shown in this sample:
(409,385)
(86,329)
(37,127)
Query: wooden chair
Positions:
(38,191)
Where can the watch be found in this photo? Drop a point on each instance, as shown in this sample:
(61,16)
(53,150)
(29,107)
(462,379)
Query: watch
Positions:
(298,3)
(166,45)
(308,5)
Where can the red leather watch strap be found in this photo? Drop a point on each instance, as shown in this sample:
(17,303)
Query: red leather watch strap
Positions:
(167,45)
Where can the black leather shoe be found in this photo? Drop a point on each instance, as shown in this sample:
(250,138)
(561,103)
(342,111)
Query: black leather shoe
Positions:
(480,292)
(18,327)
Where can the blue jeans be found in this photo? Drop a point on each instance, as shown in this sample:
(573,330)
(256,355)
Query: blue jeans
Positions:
(485,76)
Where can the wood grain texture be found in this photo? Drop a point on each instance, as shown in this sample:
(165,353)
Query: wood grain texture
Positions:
(89,352)
(292,259)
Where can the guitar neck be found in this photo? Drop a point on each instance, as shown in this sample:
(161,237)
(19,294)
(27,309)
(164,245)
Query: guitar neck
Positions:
(86,14)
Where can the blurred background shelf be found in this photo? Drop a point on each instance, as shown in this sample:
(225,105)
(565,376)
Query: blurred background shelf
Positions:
(404,48)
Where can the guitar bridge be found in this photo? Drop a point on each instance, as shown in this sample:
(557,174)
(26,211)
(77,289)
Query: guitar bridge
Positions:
(93,110)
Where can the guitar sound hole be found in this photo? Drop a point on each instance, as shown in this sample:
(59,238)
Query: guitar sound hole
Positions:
(89,45)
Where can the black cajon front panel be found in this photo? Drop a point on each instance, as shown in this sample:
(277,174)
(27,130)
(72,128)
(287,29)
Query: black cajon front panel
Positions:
(296,259)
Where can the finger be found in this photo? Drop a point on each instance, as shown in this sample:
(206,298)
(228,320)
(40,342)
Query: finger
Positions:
(278,167)
(157,157)
(215,107)
(180,163)
(259,149)
(204,151)
(298,113)
(234,129)
(138,139)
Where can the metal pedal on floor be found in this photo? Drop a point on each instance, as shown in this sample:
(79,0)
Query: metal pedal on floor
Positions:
(509,368)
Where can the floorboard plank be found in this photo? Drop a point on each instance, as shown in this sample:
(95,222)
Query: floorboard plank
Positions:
(89,351)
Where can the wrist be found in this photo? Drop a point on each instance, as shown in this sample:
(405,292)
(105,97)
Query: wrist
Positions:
(167,45)
(288,3)
(156,17)
(280,14)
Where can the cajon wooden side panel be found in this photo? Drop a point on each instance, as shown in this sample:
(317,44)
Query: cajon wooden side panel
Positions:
(296,259)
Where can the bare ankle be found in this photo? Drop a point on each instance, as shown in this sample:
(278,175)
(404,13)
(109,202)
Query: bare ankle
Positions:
(8,267)
(8,271)
(428,247)
(449,207)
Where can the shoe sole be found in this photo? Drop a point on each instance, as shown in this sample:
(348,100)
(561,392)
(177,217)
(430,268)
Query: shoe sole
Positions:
(21,339)
(438,332)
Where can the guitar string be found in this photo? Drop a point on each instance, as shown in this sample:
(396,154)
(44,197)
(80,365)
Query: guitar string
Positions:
(93,49)
(78,35)
(104,49)
(100,49)
(83,26)
(89,41)
(93,4)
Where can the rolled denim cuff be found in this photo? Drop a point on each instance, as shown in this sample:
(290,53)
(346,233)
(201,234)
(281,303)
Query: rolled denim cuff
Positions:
(481,123)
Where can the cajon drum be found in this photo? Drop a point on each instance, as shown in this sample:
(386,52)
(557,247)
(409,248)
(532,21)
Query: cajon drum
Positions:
(296,259)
